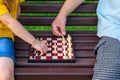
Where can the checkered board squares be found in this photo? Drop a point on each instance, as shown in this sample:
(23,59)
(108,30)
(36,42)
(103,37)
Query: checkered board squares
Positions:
(52,55)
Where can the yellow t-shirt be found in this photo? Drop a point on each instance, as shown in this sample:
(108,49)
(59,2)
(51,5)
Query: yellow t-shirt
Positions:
(4,30)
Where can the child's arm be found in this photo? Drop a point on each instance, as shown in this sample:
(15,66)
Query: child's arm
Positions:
(60,21)
(19,30)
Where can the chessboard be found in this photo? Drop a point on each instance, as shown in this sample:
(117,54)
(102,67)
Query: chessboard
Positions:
(60,49)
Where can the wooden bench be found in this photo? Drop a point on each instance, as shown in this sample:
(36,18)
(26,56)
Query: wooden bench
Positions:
(83,43)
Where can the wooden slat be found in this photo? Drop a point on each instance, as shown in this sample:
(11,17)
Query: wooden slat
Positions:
(78,37)
(55,8)
(76,21)
(72,33)
(80,62)
(22,46)
(21,54)
(53,73)
(84,53)
(53,77)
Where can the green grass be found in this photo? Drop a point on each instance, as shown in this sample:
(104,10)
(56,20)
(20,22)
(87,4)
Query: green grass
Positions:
(68,28)
(55,14)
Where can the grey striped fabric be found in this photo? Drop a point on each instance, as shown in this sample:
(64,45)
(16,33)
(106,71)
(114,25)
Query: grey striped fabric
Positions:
(107,66)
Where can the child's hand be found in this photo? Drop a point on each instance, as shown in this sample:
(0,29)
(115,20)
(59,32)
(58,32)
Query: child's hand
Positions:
(40,46)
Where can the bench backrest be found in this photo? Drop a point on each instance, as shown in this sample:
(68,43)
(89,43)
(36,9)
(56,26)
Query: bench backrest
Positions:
(84,43)
(54,8)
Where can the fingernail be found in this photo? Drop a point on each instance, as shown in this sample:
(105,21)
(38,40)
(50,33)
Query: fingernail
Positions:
(64,33)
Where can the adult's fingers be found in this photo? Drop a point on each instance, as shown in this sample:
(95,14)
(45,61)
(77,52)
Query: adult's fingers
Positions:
(55,30)
(63,30)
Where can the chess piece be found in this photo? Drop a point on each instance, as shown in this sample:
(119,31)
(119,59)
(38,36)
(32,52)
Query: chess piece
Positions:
(55,48)
(63,40)
(64,47)
(69,45)
(70,53)
(69,41)
(69,38)
(64,50)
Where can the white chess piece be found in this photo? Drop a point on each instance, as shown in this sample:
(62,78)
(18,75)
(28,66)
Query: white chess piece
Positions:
(69,38)
(64,47)
(70,52)
(64,50)
(69,42)
(63,40)
(55,48)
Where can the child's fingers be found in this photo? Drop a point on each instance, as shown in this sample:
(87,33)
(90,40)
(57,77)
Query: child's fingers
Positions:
(41,52)
(45,49)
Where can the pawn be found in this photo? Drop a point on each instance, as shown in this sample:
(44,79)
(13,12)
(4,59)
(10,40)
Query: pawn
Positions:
(69,38)
(63,40)
(55,48)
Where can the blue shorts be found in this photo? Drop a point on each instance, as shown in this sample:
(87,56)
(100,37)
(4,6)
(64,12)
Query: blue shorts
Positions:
(7,48)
